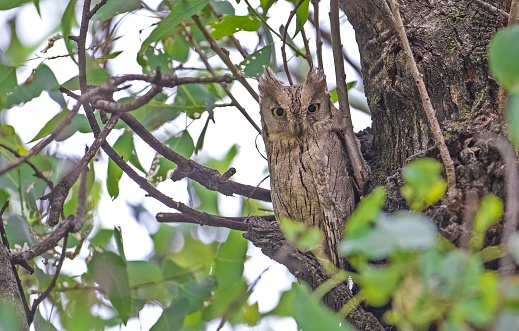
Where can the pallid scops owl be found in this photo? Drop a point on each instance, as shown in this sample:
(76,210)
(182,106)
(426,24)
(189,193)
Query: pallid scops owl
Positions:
(307,157)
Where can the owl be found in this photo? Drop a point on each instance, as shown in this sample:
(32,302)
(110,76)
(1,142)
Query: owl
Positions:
(307,157)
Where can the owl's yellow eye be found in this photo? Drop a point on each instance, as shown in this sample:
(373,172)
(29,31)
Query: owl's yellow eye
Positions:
(313,108)
(278,112)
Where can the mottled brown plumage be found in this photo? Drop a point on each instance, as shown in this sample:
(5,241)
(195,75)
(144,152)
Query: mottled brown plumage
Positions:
(307,158)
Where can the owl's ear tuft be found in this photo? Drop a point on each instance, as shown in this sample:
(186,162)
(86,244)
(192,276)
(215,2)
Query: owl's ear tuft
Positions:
(316,79)
(268,83)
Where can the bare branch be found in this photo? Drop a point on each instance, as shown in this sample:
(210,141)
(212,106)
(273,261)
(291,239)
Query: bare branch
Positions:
(430,113)
(267,236)
(318,39)
(207,177)
(52,284)
(58,195)
(328,38)
(360,167)
(37,172)
(283,45)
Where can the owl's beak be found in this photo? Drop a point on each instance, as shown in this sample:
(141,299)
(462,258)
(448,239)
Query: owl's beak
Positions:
(296,127)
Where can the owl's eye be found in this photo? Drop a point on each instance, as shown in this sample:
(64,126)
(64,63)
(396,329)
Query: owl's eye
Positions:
(278,112)
(313,108)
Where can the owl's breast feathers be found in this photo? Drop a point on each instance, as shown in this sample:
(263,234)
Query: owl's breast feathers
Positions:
(310,183)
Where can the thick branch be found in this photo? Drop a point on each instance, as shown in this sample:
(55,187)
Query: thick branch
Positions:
(306,267)
(359,165)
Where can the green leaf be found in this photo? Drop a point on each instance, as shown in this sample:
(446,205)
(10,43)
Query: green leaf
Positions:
(109,271)
(124,147)
(146,280)
(9,4)
(254,64)
(42,79)
(366,213)
(229,25)
(301,15)
(513,118)
(177,47)
(308,311)
(116,7)
(489,213)
(401,231)
(67,21)
(303,237)
(503,53)
(95,76)
(19,231)
(181,10)
(161,168)
(156,113)
(192,98)
(119,242)
(228,272)
(424,184)
(379,284)
(172,318)
(198,293)
(8,81)
(51,125)
(265,5)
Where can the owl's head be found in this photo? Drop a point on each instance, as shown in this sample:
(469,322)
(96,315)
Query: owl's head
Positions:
(293,110)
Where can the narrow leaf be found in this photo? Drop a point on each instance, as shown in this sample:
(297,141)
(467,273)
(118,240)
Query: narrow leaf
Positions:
(109,271)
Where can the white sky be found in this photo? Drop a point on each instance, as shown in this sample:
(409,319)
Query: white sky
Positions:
(231,128)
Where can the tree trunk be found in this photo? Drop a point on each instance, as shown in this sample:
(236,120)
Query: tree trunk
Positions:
(449,40)
(9,294)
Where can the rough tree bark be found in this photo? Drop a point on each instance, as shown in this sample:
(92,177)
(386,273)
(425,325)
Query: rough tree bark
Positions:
(9,293)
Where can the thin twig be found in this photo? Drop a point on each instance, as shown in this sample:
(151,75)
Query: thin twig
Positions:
(70,225)
(492,9)
(284,40)
(58,195)
(308,55)
(328,38)
(37,172)
(235,223)
(430,113)
(96,8)
(52,284)
(225,58)
(318,39)
(225,87)
(359,165)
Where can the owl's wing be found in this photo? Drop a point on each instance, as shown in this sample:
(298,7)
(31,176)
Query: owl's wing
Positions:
(334,189)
